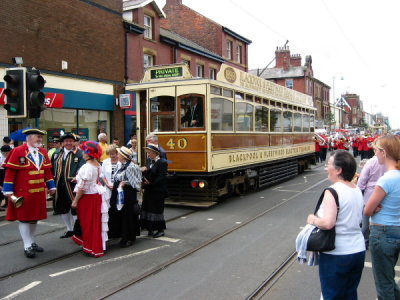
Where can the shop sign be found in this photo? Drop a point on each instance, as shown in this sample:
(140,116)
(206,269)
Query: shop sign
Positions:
(125,101)
(53,132)
(2,97)
(54,100)
(166,73)
(83,133)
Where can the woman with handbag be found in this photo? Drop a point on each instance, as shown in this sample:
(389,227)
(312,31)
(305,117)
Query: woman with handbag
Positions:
(384,208)
(124,222)
(340,269)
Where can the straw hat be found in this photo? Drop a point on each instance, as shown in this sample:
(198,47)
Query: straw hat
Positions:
(125,152)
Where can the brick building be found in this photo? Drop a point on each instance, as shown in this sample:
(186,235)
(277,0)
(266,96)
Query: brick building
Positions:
(206,33)
(290,73)
(354,112)
(83,69)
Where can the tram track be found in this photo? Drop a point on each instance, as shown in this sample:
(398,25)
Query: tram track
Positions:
(65,256)
(208,242)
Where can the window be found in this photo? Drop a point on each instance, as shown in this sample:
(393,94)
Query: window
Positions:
(306,123)
(239,54)
(287,121)
(162,113)
(262,118)
(289,83)
(276,120)
(221,114)
(229,49)
(216,90)
(297,122)
(213,73)
(200,71)
(148,27)
(228,93)
(244,117)
(148,60)
(191,111)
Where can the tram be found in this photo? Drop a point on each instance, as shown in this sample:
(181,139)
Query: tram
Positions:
(223,136)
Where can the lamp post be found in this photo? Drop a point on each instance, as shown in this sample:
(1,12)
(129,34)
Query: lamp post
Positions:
(334,95)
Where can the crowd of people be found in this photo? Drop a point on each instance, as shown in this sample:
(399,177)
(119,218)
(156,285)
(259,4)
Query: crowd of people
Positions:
(94,187)
(368,216)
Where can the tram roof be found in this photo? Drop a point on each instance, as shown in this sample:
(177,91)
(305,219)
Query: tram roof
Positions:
(228,77)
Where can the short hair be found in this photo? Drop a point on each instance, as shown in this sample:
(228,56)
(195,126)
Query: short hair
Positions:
(152,136)
(101,135)
(344,160)
(111,148)
(115,139)
(6,139)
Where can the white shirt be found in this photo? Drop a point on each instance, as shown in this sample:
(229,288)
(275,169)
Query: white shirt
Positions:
(66,151)
(35,154)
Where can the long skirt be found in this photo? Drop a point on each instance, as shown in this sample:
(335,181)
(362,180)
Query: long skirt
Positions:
(89,216)
(124,223)
(152,214)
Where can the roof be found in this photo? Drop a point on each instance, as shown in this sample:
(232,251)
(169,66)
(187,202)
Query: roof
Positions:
(134,4)
(275,73)
(181,42)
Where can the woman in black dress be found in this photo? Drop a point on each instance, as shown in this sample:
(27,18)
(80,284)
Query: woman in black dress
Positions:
(155,192)
(124,223)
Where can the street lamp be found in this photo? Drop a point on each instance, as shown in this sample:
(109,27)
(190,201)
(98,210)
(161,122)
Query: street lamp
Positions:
(333,87)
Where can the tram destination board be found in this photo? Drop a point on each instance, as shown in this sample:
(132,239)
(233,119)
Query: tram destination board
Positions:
(167,73)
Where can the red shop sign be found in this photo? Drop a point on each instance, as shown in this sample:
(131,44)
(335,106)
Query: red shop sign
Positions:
(2,97)
(54,100)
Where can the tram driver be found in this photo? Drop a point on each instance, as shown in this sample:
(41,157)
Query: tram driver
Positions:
(194,112)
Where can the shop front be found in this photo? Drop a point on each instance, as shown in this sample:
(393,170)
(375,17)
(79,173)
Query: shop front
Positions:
(72,104)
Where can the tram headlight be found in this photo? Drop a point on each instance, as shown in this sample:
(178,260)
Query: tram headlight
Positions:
(202,184)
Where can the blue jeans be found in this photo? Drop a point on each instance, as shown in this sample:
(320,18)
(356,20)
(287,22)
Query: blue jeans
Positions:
(384,243)
(340,275)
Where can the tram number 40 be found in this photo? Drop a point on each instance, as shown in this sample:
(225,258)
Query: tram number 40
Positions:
(180,143)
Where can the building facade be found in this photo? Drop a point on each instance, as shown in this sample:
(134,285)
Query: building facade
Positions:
(84,71)
(290,73)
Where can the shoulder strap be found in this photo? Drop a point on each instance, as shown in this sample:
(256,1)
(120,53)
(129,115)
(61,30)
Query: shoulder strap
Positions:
(335,195)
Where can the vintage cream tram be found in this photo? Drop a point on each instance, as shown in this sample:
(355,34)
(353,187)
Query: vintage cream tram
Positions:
(223,136)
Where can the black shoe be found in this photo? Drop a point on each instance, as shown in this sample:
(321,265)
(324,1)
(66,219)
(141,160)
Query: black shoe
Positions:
(67,234)
(30,253)
(125,243)
(158,234)
(2,209)
(37,248)
(151,233)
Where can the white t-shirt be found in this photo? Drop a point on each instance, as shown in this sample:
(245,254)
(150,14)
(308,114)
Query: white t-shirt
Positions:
(349,238)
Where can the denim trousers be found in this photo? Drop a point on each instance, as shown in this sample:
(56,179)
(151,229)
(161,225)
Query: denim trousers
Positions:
(340,275)
(384,243)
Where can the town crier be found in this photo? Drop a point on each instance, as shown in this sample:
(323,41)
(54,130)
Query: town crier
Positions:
(66,162)
(28,173)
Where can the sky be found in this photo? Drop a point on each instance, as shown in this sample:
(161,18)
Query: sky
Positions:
(354,44)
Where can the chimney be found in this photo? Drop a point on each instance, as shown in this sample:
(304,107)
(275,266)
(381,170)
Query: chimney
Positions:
(282,57)
(295,60)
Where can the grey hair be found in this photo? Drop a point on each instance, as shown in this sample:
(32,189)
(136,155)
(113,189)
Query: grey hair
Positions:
(152,136)
(101,135)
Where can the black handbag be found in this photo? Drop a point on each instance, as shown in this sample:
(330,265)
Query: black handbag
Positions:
(323,240)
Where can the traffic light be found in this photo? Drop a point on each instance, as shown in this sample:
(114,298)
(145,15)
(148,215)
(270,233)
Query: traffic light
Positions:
(15,92)
(35,97)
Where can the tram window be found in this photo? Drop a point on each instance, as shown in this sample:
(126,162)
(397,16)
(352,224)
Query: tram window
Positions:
(216,90)
(191,111)
(257,100)
(272,103)
(221,114)
(228,93)
(287,121)
(249,98)
(312,123)
(297,122)
(262,119)
(162,113)
(276,120)
(244,117)
(306,123)
(239,96)
(265,101)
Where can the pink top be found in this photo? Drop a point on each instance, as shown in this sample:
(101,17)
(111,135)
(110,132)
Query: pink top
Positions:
(370,174)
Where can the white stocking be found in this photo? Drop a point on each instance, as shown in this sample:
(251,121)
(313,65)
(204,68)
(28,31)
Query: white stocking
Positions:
(24,230)
(68,221)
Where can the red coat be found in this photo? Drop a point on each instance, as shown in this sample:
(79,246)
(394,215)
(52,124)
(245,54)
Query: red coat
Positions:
(24,179)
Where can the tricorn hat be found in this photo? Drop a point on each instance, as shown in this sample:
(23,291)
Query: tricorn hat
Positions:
(68,135)
(33,131)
